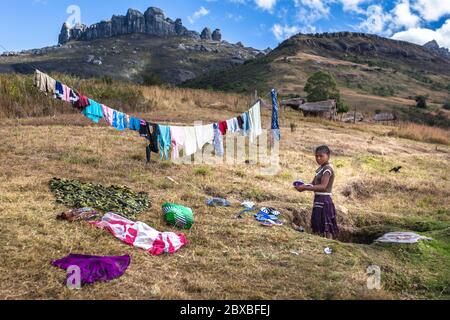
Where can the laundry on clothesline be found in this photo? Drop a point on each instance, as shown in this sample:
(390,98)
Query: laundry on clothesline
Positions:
(162,138)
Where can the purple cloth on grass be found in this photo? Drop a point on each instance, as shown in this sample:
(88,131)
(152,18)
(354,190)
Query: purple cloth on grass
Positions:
(95,268)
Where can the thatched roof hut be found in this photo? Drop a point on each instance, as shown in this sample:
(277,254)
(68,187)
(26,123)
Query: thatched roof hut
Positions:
(384,117)
(325,109)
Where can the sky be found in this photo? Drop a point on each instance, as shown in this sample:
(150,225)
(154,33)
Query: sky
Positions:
(27,24)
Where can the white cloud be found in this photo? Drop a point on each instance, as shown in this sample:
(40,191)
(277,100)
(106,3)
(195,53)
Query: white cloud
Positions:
(282,32)
(432,10)
(423,35)
(403,17)
(266,4)
(309,11)
(198,14)
(353,5)
(377,21)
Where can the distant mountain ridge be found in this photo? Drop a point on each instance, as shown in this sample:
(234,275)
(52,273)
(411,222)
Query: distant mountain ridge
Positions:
(140,47)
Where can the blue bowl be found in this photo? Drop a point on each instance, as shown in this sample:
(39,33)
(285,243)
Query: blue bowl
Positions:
(298,183)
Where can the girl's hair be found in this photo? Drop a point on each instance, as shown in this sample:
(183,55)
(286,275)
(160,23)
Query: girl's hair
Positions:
(323,149)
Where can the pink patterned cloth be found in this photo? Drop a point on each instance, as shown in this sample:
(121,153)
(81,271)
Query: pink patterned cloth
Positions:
(140,235)
(108,114)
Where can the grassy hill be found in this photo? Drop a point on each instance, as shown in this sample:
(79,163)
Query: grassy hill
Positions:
(373,73)
(137,58)
(226,258)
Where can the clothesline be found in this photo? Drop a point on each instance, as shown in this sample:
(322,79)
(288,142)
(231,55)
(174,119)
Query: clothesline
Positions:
(162,138)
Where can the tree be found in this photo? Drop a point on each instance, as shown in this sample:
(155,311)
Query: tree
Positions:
(322,86)
(342,107)
(421,102)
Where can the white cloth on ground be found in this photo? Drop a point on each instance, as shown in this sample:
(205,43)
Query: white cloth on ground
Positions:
(401,237)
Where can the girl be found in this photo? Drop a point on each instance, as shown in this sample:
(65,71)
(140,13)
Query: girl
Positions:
(323,219)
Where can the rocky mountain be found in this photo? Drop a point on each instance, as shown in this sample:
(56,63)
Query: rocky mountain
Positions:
(140,47)
(153,22)
(433,46)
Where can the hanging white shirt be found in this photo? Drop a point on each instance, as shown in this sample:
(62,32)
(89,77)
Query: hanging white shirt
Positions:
(255,121)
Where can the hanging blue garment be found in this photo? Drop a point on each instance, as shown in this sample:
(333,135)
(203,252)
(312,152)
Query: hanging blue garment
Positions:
(93,111)
(119,121)
(59,90)
(135,124)
(164,140)
(246,125)
(218,141)
(275,110)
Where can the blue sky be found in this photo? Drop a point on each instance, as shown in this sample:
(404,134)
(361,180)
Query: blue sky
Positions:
(27,24)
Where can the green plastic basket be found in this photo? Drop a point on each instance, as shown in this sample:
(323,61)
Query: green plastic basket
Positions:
(178,216)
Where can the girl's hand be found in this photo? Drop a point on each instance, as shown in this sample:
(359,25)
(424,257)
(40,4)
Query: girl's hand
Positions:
(301,188)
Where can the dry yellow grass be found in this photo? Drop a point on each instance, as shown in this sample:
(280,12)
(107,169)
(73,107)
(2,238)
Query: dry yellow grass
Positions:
(423,133)
(225,258)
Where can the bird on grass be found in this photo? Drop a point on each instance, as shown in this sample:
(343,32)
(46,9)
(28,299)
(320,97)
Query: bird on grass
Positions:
(396,169)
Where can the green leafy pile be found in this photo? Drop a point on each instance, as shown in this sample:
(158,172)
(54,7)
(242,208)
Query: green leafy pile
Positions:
(117,199)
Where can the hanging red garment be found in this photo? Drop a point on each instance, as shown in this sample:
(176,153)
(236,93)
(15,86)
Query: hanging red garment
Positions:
(82,102)
(223,127)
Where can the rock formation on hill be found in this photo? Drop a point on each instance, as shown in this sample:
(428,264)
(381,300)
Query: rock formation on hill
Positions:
(152,22)
(433,46)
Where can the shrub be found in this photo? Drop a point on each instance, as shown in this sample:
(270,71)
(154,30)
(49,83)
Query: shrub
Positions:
(421,102)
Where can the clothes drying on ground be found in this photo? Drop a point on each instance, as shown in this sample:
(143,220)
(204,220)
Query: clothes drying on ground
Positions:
(268,216)
(119,120)
(93,111)
(218,202)
(191,141)
(204,134)
(178,140)
(94,268)
(401,237)
(218,141)
(255,121)
(223,127)
(135,124)
(164,141)
(44,82)
(108,114)
(78,214)
(140,235)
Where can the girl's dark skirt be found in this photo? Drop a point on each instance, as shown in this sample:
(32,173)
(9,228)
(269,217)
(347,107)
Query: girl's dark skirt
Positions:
(323,219)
